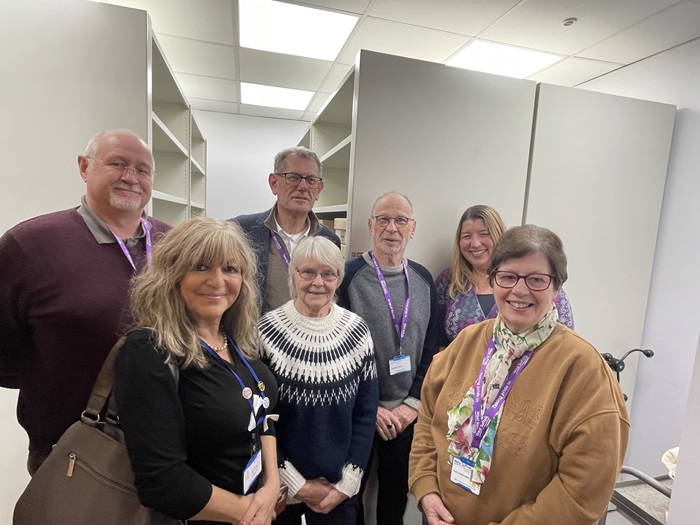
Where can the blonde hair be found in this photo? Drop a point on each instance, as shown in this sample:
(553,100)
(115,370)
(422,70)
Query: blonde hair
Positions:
(462,277)
(156,301)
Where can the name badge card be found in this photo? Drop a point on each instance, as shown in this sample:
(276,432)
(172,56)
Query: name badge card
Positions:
(461,475)
(252,471)
(399,365)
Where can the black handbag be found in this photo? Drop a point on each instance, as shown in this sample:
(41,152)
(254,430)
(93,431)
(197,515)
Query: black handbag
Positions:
(87,478)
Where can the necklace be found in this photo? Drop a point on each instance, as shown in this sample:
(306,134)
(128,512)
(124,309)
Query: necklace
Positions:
(219,349)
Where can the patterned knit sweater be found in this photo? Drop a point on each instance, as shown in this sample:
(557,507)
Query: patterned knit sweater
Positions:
(328,395)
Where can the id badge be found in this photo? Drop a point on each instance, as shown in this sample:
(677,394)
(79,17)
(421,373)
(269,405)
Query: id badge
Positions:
(399,364)
(252,471)
(461,475)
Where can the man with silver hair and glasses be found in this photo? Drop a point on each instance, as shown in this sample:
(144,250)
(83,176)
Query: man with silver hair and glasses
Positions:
(64,291)
(297,182)
(396,297)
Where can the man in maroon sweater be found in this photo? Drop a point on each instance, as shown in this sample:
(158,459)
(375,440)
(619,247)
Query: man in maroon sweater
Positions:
(64,287)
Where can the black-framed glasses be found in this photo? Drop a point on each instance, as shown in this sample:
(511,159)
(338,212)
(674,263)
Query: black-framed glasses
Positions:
(309,275)
(383,221)
(536,282)
(122,167)
(293,179)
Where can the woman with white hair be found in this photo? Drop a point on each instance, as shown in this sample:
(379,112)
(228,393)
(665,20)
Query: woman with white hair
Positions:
(323,359)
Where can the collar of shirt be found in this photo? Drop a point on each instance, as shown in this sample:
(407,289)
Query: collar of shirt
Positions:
(291,240)
(100,231)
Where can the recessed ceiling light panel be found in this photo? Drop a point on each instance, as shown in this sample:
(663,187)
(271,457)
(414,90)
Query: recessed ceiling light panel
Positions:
(293,29)
(501,59)
(276,97)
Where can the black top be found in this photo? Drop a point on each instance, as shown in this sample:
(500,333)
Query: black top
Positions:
(486,302)
(180,445)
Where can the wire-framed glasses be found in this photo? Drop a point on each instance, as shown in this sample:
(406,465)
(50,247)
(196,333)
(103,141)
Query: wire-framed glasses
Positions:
(122,167)
(309,275)
(400,222)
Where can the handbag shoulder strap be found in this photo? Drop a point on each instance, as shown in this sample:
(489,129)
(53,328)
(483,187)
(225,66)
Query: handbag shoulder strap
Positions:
(103,384)
(98,398)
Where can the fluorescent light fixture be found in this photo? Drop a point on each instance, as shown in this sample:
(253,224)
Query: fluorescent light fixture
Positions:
(276,97)
(501,59)
(293,29)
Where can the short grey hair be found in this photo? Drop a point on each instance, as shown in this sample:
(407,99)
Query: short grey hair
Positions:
(300,152)
(320,250)
(94,143)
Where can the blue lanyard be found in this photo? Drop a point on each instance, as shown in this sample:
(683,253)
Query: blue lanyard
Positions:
(259,383)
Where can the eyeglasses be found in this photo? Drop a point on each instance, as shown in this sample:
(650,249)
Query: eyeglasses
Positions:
(122,168)
(309,275)
(293,179)
(383,221)
(535,281)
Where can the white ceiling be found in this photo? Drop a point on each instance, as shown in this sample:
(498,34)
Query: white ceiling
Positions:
(200,40)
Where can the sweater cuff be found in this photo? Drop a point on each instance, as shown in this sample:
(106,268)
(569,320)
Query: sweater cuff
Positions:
(291,477)
(412,402)
(424,486)
(350,480)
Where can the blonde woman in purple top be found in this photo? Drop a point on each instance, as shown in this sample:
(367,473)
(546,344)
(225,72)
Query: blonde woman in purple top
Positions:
(464,294)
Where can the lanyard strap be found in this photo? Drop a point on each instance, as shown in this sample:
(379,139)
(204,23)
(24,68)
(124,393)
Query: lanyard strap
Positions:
(149,244)
(240,381)
(481,420)
(400,327)
(280,249)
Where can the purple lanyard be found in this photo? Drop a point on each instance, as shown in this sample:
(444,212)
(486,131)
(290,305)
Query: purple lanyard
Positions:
(481,421)
(280,248)
(149,246)
(400,328)
(240,381)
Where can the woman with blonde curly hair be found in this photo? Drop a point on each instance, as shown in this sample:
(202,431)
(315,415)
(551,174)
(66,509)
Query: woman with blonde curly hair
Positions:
(200,445)
(464,292)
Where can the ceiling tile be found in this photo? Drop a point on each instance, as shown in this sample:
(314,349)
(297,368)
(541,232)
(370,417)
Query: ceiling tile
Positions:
(404,40)
(264,111)
(197,86)
(349,6)
(209,21)
(213,105)
(199,58)
(572,71)
(262,67)
(537,24)
(672,27)
(457,16)
(334,78)
(317,103)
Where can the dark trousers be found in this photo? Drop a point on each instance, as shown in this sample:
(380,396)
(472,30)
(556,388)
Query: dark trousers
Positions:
(344,514)
(39,450)
(392,478)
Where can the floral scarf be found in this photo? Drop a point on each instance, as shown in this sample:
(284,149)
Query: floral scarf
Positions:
(509,347)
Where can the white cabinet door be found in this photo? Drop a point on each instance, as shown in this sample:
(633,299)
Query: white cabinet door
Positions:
(597,180)
(446,137)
